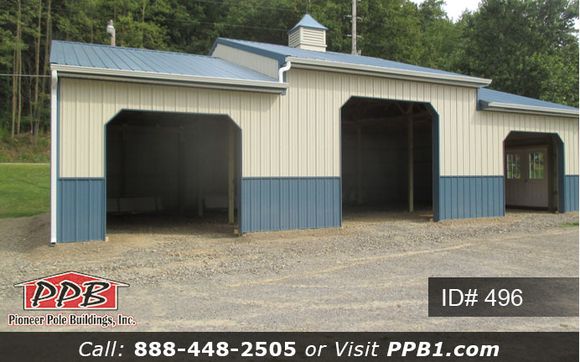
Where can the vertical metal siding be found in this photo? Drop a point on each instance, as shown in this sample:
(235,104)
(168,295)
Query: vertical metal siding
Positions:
(297,136)
(284,203)
(81,211)
(571,193)
(471,196)
(253,61)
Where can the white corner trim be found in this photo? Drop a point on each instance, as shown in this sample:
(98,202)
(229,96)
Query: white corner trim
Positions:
(458,79)
(53,153)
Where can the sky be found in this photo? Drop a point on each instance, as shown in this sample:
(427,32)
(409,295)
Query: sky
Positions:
(455,8)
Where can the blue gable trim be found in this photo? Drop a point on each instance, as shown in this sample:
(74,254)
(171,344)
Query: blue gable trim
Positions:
(284,203)
(471,196)
(571,193)
(81,209)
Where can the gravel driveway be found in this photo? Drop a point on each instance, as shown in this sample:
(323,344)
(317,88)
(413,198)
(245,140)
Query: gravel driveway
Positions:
(370,275)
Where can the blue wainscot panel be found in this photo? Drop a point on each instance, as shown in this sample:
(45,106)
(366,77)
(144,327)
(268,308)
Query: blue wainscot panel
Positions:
(283,203)
(81,209)
(471,196)
(571,193)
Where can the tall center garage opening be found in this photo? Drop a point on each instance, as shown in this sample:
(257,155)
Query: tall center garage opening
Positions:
(387,158)
(172,171)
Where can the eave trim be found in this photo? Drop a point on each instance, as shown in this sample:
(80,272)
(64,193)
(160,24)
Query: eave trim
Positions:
(390,72)
(518,108)
(169,78)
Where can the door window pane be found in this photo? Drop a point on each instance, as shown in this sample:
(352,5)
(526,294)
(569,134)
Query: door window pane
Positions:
(513,166)
(536,165)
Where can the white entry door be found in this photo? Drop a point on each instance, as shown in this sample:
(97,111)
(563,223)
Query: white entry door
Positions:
(527,177)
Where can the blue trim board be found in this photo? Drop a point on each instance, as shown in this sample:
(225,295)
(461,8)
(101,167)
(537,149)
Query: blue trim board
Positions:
(561,176)
(571,193)
(471,196)
(80,215)
(284,203)
(435,158)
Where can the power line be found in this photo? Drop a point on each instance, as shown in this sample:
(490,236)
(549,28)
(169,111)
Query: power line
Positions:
(226,24)
(254,6)
(23,75)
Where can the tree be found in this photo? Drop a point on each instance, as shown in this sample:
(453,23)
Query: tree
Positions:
(391,29)
(17,71)
(439,36)
(38,36)
(527,47)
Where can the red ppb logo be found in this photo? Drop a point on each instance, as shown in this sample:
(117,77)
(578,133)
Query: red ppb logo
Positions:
(70,290)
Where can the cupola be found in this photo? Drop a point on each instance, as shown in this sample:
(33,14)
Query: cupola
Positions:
(308,34)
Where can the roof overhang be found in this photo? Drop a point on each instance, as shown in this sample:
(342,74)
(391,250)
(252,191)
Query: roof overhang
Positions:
(535,110)
(168,79)
(450,79)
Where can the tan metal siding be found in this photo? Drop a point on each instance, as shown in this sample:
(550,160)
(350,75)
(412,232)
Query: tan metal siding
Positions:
(256,62)
(87,105)
(471,141)
(502,123)
(298,134)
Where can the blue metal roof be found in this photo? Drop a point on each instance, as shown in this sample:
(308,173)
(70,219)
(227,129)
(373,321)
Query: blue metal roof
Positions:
(163,62)
(487,96)
(308,21)
(280,52)
(143,60)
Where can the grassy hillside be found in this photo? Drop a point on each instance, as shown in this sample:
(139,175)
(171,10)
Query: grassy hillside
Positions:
(24,148)
(24,189)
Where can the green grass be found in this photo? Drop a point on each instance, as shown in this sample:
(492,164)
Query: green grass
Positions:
(24,189)
(570,224)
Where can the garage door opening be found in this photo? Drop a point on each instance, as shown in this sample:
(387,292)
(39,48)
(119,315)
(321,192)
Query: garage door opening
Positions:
(534,171)
(388,158)
(171,171)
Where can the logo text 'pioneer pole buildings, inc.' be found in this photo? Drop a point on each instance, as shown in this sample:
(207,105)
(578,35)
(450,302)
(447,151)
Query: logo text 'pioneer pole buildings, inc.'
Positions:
(70,291)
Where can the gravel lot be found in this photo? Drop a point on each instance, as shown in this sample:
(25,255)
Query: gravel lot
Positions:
(370,275)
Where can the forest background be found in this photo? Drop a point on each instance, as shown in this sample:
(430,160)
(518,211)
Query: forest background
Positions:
(528,47)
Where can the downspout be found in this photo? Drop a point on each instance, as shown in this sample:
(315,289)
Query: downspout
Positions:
(283,70)
(53,154)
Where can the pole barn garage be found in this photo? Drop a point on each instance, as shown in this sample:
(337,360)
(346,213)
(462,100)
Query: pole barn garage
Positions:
(276,137)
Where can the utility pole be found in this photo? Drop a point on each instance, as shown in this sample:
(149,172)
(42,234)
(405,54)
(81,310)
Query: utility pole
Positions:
(353,22)
(353,35)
